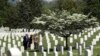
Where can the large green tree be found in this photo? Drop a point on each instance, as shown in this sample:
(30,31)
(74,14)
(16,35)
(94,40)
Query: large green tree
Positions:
(11,17)
(63,23)
(8,14)
(27,9)
(20,15)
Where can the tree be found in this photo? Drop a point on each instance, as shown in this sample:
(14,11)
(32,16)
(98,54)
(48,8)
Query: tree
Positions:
(27,9)
(71,5)
(63,23)
(11,17)
(21,14)
(8,14)
(3,7)
(92,7)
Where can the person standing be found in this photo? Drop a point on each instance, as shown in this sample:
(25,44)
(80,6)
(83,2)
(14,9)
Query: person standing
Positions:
(36,40)
(25,41)
(30,40)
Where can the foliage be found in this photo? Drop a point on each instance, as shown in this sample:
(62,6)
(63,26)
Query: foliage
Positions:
(27,9)
(71,5)
(24,12)
(21,15)
(93,7)
(11,17)
(3,7)
(63,22)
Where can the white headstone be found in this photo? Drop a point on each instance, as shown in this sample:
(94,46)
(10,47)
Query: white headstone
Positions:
(1,53)
(14,52)
(64,43)
(0,42)
(17,38)
(70,53)
(71,40)
(40,38)
(32,46)
(62,38)
(3,49)
(40,43)
(22,49)
(97,38)
(44,54)
(54,49)
(84,45)
(19,43)
(81,40)
(79,34)
(59,37)
(27,53)
(54,38)
(4,44)
(9,46)
(56,42)
(70,48)
(75,36)
(13,37)
(9,40)
(21,39)
(14,42)
(35,53)
(56,53)
(15,46)
(92,32)
(85,37)
(89,34)
(91,48)
(79,50)
(88,52)
(48,48)
(94,42)
(5,38)
(41,48)
(76,45)
(62,50)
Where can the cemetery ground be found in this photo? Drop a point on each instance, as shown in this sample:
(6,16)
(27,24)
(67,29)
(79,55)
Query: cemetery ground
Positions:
(89,36)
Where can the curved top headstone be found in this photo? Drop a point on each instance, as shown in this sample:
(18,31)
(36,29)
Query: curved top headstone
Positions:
(14,52)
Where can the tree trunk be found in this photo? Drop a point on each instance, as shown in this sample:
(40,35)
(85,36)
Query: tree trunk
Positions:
(66,37)
(66,43)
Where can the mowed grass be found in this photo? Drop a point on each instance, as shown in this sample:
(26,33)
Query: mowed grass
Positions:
(96,50)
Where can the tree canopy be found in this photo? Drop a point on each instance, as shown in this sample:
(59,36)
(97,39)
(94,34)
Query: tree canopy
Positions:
(63,22)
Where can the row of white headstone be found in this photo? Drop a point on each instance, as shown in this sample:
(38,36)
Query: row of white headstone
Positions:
(89,50)
(70,53)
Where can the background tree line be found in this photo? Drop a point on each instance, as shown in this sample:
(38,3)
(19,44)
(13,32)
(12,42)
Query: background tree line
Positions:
(22,14)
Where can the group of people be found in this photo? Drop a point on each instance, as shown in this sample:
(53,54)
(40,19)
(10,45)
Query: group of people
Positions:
(27,41)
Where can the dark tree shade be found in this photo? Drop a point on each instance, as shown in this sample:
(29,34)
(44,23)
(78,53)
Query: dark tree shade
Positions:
(21,15)
(3,6)
(93,7)
(27,9)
